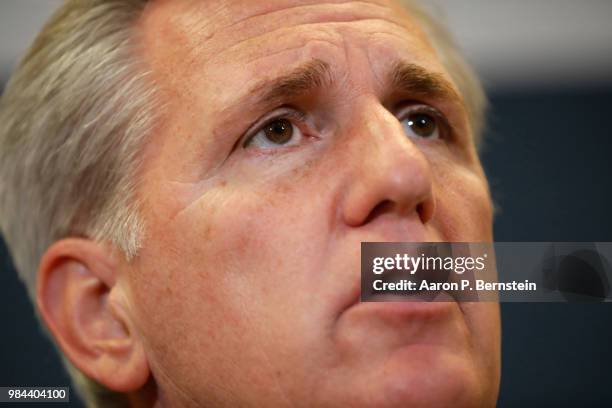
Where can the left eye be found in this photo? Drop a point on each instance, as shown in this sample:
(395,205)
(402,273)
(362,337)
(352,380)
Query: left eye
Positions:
(276,133)
(421,123)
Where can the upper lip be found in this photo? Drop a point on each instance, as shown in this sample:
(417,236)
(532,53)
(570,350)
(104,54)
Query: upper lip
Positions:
(355,299)
(410,229)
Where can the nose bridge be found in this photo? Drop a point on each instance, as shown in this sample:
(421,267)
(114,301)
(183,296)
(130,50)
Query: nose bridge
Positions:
(381,127)
(378,136)
(377,124)
(387,167)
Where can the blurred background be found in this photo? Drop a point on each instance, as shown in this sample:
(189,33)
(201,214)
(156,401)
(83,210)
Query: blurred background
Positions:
(547,67)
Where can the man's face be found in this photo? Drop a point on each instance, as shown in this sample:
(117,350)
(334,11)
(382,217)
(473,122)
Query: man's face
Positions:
(294,131)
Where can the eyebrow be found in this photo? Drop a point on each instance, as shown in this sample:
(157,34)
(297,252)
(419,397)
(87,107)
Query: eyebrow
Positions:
(413,79)
(404,77)
(313,75)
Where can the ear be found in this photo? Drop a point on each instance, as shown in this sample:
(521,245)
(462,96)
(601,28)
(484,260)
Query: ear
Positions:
(85,310)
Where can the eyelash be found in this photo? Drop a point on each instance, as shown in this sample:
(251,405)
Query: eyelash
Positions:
(294,116)
(417,107)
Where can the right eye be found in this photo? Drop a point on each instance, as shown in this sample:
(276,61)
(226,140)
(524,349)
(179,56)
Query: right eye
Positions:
(279,132)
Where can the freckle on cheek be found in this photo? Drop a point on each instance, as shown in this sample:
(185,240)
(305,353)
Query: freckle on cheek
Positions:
(297,175)
(208,229)
(208,232)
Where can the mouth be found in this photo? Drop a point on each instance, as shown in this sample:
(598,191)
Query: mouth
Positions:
(417,305)
(391,323)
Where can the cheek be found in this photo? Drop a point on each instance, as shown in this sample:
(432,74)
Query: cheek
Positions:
(463,205)
(464,213)
(226,239)
(225,263)
(483,320)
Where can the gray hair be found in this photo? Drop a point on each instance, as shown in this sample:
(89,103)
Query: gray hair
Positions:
(73,119)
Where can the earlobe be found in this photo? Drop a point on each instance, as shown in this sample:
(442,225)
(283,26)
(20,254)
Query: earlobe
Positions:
(84,308)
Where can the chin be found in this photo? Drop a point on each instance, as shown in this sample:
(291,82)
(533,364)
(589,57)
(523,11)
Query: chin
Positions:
(428,377)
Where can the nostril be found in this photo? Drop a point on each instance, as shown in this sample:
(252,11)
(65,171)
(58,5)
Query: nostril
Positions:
(425,209)
(381,208)
(420,209)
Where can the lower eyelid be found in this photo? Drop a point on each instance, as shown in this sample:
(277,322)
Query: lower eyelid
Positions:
(291,116)
(304,134)
(430,111)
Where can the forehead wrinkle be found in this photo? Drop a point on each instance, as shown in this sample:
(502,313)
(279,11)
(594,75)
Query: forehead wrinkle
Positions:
(287,50)
(308,26)
(176,24)
(211,36)
(314,3)
(219,27)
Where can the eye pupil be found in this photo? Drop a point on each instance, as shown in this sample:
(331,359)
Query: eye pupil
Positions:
(279,131)
(422,124)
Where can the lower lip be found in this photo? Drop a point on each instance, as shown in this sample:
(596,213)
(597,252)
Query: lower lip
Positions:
(408,308)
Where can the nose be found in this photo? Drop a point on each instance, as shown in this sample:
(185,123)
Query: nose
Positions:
(388,171)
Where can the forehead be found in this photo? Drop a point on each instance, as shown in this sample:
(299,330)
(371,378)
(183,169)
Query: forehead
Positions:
(199,38)
(239,19)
